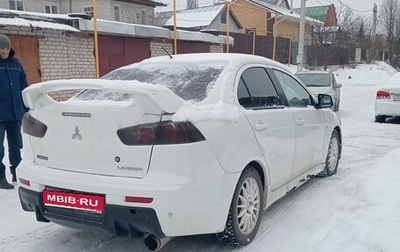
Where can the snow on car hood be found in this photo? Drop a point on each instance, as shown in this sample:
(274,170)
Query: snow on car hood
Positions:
(320,90)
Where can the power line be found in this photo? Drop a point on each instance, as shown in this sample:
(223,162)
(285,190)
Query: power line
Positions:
(361,11)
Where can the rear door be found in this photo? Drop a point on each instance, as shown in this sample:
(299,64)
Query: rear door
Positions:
(272,122)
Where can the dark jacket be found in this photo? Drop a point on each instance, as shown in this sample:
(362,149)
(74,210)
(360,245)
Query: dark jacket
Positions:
(12,82)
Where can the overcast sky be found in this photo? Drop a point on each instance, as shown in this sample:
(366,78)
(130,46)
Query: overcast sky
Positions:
(360,6)
(357,5)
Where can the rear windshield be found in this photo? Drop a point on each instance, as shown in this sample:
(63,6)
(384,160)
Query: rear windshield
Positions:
(102,95)
(190,82)
(315,80)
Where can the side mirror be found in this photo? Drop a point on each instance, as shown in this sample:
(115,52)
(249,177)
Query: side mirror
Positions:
(324,101)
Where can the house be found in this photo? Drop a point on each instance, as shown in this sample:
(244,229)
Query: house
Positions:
(326,14)
(274,18)
(326,34)
(211,17)
(128,11)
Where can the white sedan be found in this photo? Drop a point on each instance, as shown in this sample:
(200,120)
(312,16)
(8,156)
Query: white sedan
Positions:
(322,82)
(387,101)
(173,146)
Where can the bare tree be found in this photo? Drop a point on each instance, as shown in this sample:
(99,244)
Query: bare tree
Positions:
(389,19)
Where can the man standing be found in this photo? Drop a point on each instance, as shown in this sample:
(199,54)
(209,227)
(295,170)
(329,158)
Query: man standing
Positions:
(12,82)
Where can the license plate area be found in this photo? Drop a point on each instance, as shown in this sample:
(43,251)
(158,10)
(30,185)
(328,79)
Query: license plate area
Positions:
(73,200)
(396,97)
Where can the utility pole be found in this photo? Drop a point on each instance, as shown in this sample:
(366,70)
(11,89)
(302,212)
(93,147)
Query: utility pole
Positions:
(96,39)
(300,52)
(375,11)
(175,30)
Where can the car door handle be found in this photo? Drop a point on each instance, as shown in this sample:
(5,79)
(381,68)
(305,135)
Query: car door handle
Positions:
(261,126)
(300,122)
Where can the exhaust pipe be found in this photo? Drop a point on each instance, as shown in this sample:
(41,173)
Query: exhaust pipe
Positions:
(154,243)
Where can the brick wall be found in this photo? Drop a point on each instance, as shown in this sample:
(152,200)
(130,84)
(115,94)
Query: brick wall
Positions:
(217,48)
(66,55)
(130,12)
(38,5)
(156,48)
(63,55)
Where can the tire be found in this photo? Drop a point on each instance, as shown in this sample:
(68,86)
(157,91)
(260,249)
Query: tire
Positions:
(245,211)
(333,156)
(380,119)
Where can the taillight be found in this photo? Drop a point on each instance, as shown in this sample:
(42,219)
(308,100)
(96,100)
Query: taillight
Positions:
(33,127)
(167,132)
(382,95)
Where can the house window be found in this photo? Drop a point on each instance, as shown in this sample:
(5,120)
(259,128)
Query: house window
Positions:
(223,17)
(51,8)
(16,5)
(144,15)
(117,13)
(88,10)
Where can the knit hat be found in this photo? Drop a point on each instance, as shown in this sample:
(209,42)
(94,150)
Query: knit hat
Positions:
(4,41)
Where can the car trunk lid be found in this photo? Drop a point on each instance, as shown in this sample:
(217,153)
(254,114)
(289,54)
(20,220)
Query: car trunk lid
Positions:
(82,131)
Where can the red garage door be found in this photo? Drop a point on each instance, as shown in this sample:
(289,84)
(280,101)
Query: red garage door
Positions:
(27,51)
(115,52)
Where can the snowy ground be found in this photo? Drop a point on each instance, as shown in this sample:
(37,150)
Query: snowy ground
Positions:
(356,210)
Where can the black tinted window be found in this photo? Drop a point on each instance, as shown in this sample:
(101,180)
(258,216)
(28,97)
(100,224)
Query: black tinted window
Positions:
(295,93)
(244,95)
(315,80)
(256,89)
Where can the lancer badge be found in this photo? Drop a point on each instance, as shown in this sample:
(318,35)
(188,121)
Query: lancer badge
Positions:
(76,135)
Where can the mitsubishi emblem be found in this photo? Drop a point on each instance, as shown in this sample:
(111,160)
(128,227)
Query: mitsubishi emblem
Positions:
(76,135)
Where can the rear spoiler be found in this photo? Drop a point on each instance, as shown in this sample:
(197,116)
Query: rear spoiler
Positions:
(163,99)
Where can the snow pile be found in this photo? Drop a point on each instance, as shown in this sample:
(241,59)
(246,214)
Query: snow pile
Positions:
(369,75)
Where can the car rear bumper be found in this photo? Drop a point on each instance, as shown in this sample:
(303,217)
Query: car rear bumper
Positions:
(118,220)
(181,199)
(387,108)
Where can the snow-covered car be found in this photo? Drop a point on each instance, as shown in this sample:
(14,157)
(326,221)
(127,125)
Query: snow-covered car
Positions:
(322,82)
(174,146)
(387,100)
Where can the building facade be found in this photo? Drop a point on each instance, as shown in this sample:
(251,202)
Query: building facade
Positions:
(129,11)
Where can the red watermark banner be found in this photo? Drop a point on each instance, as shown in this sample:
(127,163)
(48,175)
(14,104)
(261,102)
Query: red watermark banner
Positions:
(74,200)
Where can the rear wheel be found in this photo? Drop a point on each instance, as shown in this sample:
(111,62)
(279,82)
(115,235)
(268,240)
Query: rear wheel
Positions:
(332,158)
(245,210)
(380,118)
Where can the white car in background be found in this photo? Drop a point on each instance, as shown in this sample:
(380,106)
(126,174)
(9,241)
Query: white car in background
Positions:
(322,82)
(387,100)
(174,146)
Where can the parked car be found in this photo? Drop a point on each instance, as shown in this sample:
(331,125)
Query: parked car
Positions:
(387,101)
(173,146)
(322,82)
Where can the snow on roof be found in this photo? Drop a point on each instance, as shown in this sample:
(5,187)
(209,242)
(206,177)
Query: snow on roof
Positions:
(84,23)
(202,16)
(285,12)
(36,20)
(119,28)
